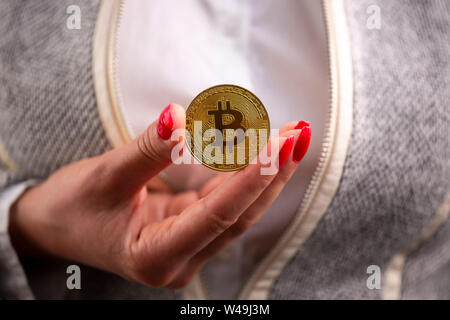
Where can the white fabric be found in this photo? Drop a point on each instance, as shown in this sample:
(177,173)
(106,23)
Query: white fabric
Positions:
(169,51)
(8,196)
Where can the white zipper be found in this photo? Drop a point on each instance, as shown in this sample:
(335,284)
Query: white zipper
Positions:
(318,173)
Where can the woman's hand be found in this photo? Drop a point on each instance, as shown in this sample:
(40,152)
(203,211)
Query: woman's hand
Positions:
(98,211)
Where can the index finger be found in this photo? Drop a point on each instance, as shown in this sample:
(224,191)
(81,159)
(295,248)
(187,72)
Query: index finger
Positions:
(203,221)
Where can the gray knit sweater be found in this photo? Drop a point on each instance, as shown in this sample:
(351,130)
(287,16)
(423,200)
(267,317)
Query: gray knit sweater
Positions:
(392,189)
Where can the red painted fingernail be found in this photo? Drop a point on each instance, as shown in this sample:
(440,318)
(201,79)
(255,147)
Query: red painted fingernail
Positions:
(302,144)
(285,151)
(301,124)
(165,124)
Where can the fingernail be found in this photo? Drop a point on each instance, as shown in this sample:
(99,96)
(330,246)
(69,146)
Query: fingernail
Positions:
(301,124)
(285,151)
(165,124)
(302,144)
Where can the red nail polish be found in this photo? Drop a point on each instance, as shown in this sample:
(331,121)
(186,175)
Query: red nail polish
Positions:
(285,151)
(165,124)
(301,124)
(302,144)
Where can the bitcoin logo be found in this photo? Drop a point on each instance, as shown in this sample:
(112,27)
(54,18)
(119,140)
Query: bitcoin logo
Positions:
(226,126)
(219,120)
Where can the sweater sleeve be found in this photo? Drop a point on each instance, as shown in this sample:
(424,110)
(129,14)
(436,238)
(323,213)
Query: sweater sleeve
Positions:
(13,282)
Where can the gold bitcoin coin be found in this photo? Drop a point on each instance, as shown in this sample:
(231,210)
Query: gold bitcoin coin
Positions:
(226,126)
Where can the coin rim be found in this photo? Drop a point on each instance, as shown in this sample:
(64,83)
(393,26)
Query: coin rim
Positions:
(189,147)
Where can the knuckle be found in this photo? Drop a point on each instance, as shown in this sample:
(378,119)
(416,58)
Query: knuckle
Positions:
(240,227)
(180,283)
(254,173)
(150,271)
(219,222)
(154,278)
(284,177)
(263,181)
(161,279)
(149,148)
(249,173)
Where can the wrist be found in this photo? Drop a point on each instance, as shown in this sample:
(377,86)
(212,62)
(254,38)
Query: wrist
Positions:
(20,224)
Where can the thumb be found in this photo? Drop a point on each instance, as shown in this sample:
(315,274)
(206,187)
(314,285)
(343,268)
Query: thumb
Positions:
(132,165)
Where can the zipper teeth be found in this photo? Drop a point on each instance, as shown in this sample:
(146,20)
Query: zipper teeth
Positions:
(115,45)
(329,128)
(112,68)
(318,173)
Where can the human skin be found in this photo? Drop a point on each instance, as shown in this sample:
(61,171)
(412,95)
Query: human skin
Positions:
(99,212)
